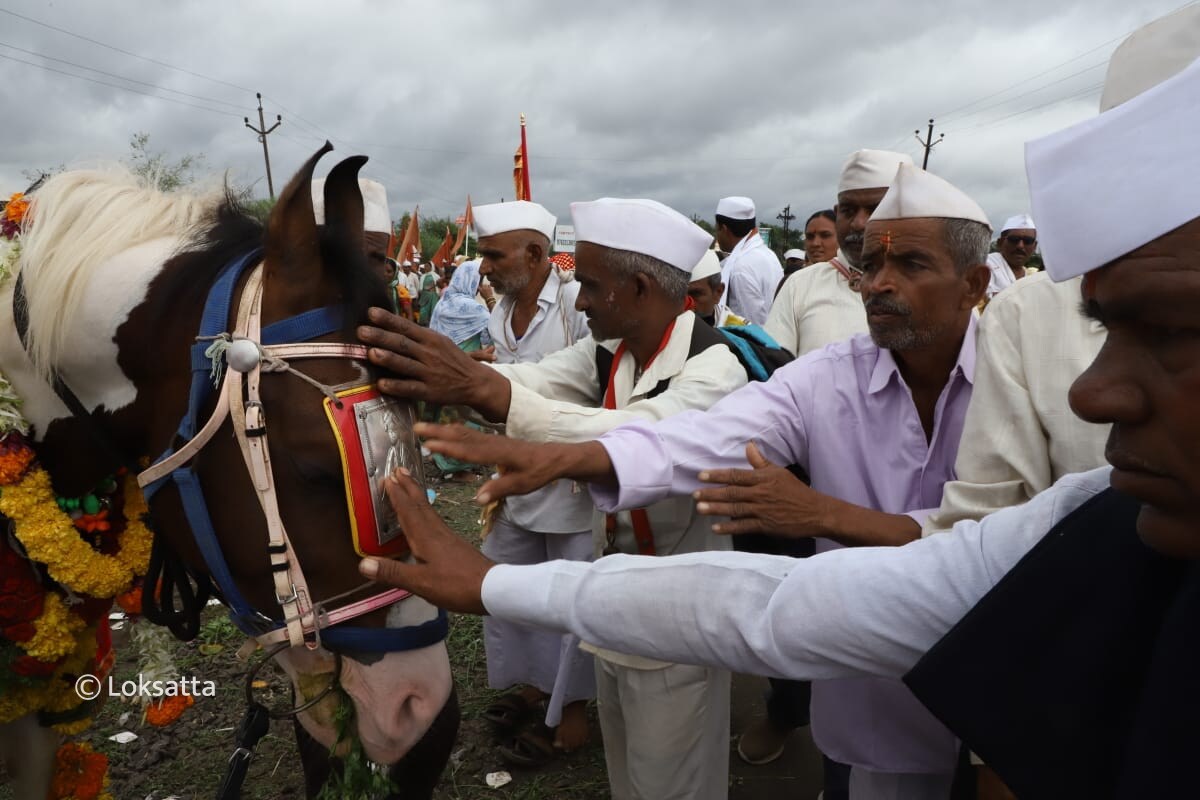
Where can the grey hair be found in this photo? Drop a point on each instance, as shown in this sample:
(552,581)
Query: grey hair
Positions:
(672,281)
(968,242)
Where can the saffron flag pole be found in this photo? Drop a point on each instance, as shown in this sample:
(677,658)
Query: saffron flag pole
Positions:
(464,225)
(521,167)
(411,240)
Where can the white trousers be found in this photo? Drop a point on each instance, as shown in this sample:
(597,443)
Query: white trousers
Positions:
(522,654)
(666,731)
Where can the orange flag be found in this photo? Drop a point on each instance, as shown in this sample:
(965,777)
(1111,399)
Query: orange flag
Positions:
(411,240)
(521,167)
(444,255)
(464,225)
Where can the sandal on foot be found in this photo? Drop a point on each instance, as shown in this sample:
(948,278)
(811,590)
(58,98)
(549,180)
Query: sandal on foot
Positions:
(508,711)
(531,748)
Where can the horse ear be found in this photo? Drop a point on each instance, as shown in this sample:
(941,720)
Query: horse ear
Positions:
(342,238)
(292,250)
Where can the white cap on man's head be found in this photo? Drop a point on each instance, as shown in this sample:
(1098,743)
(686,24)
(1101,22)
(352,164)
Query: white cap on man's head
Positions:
(517,215)
(790,254)
(735,208)
(376,217)
(916,194)
(641,226)
(1019,222)
(708,266)
(1149,138)
(870,169)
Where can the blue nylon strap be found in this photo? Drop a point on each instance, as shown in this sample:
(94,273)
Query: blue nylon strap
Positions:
(303,327)
(386,640)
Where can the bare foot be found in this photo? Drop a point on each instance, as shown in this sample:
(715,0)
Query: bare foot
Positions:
(572,733)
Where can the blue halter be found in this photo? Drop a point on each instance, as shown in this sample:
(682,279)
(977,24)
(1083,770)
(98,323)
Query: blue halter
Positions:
(301,328)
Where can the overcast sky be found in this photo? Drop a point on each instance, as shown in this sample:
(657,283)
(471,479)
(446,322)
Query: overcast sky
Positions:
(683,102)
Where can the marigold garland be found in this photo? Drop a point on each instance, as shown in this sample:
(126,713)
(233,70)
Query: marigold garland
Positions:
(57,631)
(50,537)
(57,693)
(80,773)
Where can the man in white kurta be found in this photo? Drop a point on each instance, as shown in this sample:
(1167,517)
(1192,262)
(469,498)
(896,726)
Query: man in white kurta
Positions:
(752,271)
(665,725)
(535,317)
(705,288)
(1020,435)
(1016,243)
(820,304)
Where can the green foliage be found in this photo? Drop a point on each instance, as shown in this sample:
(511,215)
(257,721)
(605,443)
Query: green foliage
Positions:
(359,779)
(260,208)
(705,224)
(781,244)
(166,174)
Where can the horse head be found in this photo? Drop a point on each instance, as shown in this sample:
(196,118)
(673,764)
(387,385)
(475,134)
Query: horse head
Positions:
(122,340)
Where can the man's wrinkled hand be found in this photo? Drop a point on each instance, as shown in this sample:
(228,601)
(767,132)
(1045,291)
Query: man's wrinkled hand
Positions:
(766,499)
(523,466)
(429,366)
(447,571)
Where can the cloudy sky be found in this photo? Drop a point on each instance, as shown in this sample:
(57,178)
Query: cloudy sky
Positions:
(684,102)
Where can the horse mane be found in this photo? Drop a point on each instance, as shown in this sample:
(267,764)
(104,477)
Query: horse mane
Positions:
(81,219)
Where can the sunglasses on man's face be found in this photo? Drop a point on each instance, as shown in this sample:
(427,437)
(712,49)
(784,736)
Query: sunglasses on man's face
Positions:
(1028,241)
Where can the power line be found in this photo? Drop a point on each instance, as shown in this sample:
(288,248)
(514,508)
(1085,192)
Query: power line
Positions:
(1056,66)
(118,77)
(1014,98)
(123,52)
(1094,88)
(118,86)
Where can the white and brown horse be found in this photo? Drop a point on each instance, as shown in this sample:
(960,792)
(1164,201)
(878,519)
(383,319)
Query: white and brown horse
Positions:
(114,276)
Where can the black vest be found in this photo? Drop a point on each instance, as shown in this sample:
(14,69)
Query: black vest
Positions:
(1078,675)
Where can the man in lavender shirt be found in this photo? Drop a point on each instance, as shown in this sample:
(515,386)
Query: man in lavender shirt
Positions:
(875,420)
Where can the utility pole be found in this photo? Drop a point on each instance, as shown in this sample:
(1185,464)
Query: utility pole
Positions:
(262,130)
(787,216)
(928,143)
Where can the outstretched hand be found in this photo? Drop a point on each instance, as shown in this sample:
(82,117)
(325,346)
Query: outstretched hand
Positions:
(766,499)
(431,367)
(523,466)
(447,571)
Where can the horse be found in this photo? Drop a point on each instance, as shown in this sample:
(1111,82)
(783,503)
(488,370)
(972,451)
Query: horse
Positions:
(97,336)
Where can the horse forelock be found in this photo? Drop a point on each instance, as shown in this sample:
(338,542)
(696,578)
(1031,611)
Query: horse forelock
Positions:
(85,218)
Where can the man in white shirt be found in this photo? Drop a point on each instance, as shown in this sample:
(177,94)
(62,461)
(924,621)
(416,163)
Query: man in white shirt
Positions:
(1044,652)
(1016,243)
(665,725)
(1020,436)
(535,317)
(706,288)
(820,304)
(751,272)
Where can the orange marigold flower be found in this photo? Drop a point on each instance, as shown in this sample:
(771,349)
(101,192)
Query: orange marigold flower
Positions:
(13,464)
(168,709)
(78,772)
(131,601)
(14,212)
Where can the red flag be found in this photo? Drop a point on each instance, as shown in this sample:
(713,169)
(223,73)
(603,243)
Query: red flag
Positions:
(444,255)
(411,240)
(521,167)
(463,226)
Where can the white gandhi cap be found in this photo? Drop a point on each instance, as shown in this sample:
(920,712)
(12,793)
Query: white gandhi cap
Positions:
(735,208)
(518,215)
(641,226)
(1150,137)
(708,266)
(916,194)
(870,169)
(376,217)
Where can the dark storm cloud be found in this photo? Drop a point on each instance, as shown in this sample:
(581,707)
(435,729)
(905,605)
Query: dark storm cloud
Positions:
(681,101)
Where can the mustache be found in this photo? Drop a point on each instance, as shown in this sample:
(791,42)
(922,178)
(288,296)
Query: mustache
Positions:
(852,238)
(882,305)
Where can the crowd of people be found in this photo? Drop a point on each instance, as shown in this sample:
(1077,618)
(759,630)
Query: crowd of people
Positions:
(947,408)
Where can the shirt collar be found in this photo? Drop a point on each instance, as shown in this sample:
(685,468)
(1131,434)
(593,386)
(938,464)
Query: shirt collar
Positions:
(549,292)
(670,361)
(747,242)
(885,365)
